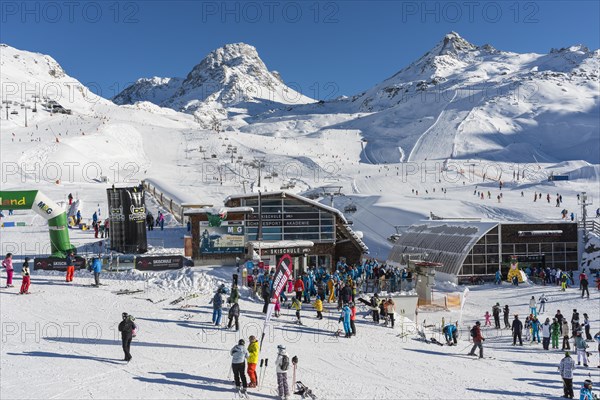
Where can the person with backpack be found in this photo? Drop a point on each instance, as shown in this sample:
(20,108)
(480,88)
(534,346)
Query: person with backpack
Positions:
(7,264)
(555,332)
(297,305)
(127,327)
(477,339)
(253,351)
(566,368)
(517,327)
(217,302)
(234,314)
(282,365)
(586,391)
(239,354)
(546,334)
(26,277)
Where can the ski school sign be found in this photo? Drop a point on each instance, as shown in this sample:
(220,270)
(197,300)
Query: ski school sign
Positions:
(159,263)
(57,264)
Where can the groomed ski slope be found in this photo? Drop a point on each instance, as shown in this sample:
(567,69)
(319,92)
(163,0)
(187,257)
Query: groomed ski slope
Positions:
(179,354)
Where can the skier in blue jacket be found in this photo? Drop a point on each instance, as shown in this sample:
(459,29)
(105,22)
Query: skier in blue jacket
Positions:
(450,334)
(345,317)
(217,302)
(535,330)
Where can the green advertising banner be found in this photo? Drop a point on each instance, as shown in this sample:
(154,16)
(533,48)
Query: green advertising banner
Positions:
(48,209)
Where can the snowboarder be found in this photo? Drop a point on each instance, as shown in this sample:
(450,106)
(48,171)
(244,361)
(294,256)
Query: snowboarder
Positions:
(566,367)
(282,364)
(126,327)
(477,339)
(506,311)
(27,278)
(217,302)
(70,266)
(253,351)
(239,355)
(234,314)
(517,328)
(586,391)
(96,268)
(8,265)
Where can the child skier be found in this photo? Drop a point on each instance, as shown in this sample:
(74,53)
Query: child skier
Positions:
(297,305)
(488,317)
(282,364)
(345,318)
(26,278)
(8,265)
(318,304)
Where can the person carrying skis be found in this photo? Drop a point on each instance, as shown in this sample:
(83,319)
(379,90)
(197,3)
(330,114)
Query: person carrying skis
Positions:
(345,318)
(217,302)
(126,327)
(450,334)
(318,304)
(26,277)
(533,306)
(506,311)
(70,266)
(253,351)
(546,334)
(555,333)
(535,330)
(297,305)
(566,368)
(496,313)
(477,339)
(234,314)
(282,365)
(96,268)
(581,346)
(517,327)
(239,354)
(7,264)
(586,391)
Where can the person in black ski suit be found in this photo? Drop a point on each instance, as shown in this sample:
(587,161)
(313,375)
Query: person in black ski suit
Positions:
(234,314)
(126,327)
(575,322)
(506,314)
(584,287)
(496,313)
(266,296)
(517,329)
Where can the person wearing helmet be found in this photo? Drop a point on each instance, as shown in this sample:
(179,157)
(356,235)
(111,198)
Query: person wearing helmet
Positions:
(282,365)
(253,350)
(126,327)
(586,391)
(239,354)
(477,339)
(566,367)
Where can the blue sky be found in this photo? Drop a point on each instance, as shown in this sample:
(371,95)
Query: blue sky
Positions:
(327,48)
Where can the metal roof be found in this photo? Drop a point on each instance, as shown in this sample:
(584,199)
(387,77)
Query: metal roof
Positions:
(447,242)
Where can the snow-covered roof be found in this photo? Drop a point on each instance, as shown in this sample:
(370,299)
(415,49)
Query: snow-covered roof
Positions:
(281,244)
(445,241)
(214,211)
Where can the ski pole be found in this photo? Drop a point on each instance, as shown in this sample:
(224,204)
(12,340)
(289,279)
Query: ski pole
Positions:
(295,364)
(264,373)
(262,361)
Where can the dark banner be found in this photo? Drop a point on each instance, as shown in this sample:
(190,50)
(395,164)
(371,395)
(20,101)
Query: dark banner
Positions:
(159,263)
(127,212)
(284,270)
(57,264)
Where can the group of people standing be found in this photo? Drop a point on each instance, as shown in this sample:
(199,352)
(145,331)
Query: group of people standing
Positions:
(7,264)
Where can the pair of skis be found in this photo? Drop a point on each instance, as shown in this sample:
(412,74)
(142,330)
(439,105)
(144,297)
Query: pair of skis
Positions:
(182,298)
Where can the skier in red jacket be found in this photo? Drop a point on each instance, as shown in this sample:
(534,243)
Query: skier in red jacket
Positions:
(299,288)
(477,339)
